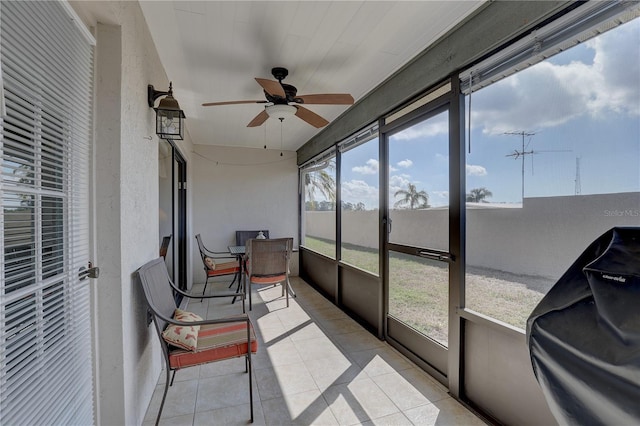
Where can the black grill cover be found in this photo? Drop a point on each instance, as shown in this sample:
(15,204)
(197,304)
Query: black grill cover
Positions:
(584,335)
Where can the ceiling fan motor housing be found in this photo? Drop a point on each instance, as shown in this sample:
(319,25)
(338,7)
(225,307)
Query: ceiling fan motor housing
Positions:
(279,73)
(290,92)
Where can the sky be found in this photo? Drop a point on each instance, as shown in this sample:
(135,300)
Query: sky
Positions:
(581,107)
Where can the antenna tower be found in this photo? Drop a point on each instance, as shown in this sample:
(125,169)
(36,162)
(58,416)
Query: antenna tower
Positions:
(578,187)
(522,153)
(517,154)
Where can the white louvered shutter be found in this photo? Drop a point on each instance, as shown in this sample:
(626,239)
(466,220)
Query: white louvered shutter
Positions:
(45,317)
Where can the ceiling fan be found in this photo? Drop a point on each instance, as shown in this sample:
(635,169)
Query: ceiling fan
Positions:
(280,97)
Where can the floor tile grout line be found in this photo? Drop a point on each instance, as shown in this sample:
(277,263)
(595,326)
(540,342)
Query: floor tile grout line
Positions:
(348,352)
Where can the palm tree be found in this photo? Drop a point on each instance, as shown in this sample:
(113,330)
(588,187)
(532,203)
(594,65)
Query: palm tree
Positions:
(320,181)
(411,196)
(478,195)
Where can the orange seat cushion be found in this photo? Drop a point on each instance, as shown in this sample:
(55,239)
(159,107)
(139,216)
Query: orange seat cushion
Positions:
(224,269)
(215,342)
(268,280)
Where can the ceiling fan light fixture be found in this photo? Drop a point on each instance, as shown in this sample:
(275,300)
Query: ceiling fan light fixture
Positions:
(281,111)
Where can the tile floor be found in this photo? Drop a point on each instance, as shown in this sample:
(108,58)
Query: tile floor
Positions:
(314,365)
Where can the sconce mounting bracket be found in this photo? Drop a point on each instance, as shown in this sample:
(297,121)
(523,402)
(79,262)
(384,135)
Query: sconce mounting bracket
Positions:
(153,94)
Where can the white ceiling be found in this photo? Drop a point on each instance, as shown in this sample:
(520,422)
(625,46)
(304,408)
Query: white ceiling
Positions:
(213,50)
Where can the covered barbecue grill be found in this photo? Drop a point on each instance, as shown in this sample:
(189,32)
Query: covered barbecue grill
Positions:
(584,336)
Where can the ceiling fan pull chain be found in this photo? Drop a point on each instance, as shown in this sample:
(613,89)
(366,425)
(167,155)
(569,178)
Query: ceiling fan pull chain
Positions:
(281,120)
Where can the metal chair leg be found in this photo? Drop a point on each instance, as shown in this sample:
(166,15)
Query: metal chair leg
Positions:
(205,286)
(234,280)
(237,290)
(250,381)
(164,395)
(291,290)
(206,281)
(285,287)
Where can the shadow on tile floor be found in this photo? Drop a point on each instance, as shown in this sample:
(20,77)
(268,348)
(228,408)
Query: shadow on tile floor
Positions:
(314,366)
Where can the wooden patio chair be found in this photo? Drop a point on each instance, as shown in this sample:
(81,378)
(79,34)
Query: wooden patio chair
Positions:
(215,340)
(267,263)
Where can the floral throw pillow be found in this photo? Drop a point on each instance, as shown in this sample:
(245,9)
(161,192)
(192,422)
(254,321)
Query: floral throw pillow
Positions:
(185,337)
(211,264)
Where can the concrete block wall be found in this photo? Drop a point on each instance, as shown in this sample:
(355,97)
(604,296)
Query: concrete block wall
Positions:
(542,237)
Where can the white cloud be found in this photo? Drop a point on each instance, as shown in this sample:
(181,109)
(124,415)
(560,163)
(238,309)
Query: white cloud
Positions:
(475,170)
(429,128)
(620,85)
(371,168)
(358,191)
(440,194)
(548,94)
(405,163)
(533,99)
(397,182)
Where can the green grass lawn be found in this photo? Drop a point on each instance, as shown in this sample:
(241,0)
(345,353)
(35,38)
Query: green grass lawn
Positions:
(418,290)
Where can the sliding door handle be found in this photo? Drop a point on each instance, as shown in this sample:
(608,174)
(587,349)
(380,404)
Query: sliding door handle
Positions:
(437,255)
(387,221)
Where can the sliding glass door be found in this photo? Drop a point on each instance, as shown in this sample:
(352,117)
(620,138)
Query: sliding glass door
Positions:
(417,236)
(172,171)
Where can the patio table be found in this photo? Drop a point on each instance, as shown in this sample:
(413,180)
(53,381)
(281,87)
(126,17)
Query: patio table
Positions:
(238,252)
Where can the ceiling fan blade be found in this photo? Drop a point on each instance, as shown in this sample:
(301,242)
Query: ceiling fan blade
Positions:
(272,87)
(233,103)
(259,119)
(327,99)
(310,117)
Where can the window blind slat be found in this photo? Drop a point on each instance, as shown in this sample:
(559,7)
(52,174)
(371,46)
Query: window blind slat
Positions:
(29,85)
(31,78)
(58,55)
(24,94)
(45,316)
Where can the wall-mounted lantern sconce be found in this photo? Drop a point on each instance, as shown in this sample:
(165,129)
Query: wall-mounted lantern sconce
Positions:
(169,116)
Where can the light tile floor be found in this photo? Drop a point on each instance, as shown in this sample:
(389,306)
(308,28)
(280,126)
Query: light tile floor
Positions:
(314,365)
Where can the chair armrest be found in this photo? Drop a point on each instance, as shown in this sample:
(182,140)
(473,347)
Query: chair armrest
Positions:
(209,296)
(232,318)
(220,255)
(235,318)
(202,296)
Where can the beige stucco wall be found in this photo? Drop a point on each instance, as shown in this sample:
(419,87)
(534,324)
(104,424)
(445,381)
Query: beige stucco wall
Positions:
(242,189)
(542,238)
(126,207)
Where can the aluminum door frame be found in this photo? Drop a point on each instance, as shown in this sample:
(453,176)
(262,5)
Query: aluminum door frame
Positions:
(453,101)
